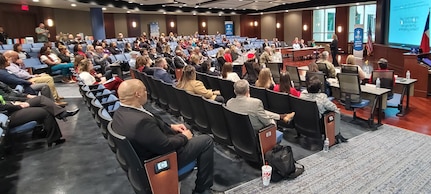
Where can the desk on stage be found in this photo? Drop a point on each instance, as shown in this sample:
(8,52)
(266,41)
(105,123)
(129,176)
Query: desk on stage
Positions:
(290,54)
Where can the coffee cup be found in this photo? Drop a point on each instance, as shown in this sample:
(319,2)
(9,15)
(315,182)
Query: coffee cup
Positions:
(266,174)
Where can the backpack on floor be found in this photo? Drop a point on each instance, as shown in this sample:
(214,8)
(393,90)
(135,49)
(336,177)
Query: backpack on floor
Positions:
(280,158)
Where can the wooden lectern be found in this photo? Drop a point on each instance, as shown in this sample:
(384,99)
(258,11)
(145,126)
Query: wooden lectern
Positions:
(419,72)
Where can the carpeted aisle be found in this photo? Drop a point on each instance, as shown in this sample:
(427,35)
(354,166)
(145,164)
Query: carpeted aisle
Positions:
(389,160)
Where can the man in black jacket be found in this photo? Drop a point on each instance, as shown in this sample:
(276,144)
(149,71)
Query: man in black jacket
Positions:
(151,137)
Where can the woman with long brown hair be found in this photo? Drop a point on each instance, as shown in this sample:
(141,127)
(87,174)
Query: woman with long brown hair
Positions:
(265,79)
(285,85)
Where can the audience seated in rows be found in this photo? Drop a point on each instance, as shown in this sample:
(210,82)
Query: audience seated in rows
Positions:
(22,108)
(135,123)
(38,80)
(55,63)
(205,67)
(323,104)
(312,67)
(132,61)
(189,83)
(195,62)
(285,85)
(253,107)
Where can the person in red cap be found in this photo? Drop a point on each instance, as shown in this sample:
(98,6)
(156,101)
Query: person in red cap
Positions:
(252,68)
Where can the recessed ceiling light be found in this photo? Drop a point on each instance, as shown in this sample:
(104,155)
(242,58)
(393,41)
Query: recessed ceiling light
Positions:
(317,7)
(163,5)
(194,13)
(270,2)
(197,6)
(73,5)
(164,12)
(357,3)
(231,8)
(130,2)
(184,4)
(103,8)
(127,11)
(284,3)
(286,11)
(240,0)
(181,6)
(141,4)
(35,0)
(261,13)
(210,8)
(175,2)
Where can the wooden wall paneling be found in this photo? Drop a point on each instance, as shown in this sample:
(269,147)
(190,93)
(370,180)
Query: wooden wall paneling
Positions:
(279,20)
(394,55)
(109,25)
(342,19)
(307,19)
(202,24)
(169,28)
(133,31)
(247,26)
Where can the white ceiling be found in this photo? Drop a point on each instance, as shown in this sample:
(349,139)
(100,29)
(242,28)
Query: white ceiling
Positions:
(228,5)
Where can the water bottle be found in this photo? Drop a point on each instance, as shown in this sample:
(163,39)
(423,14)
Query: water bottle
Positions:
(326,145)
(408,74)
(378,83)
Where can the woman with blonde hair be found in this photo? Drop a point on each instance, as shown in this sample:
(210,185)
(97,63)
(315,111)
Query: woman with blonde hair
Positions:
(195,62)
(334,49)
(265,79)
(351,60)
(189,83)
(220,58)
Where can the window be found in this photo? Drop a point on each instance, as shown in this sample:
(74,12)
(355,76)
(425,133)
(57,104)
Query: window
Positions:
(323,24)
(362,14)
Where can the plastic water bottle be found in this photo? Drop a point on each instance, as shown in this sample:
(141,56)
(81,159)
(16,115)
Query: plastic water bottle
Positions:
(378,83)
(326,145)
(408,74)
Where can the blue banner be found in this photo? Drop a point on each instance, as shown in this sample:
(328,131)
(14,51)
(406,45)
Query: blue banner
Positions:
(228,25)
(358,38)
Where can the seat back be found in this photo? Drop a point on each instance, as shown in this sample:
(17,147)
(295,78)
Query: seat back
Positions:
(294,75)
(186,109)
(278,102)
(350,88)
(153,176)
(323,68)
(203,78)
(144,78)
(226,89)
(244,138)
(163,96)
(173,102)
(154,92)
(275,71)
(104,118)
(307,117)
(213,81)
(259,93)
(386,78)
(349,69)
(200,115)
(217,121)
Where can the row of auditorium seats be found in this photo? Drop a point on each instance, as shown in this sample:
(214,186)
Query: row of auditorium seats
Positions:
(207,116)
(102,103)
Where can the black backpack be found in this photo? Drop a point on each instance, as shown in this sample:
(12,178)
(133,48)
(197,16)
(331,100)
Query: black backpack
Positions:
(280,158)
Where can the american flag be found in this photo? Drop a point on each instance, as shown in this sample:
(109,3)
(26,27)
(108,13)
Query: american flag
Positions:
(369,45)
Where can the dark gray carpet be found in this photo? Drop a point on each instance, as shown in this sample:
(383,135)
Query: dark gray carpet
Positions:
(85,164)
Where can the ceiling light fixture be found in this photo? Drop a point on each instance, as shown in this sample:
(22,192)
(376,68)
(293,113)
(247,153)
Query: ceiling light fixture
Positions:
(73,5)
(35,0)
(104,8)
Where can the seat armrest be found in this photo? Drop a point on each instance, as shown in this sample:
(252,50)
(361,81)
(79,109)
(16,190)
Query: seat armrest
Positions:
(329,126)
(94,91)
(267,139)
(158,179)
(92,87)
(106,104)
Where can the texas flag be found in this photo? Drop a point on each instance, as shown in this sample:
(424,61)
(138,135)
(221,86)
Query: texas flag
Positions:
(425,43)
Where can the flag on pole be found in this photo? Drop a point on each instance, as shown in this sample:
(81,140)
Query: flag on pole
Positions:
(425,43)
(369,45)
